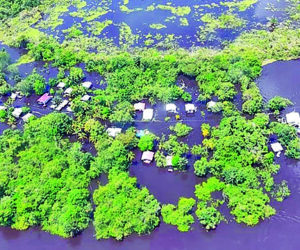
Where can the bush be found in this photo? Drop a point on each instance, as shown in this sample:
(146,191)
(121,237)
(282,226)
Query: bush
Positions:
(181,129)
(179,216)
(278,103)
(146,142)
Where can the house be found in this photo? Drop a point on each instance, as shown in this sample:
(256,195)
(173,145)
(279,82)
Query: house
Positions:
(171,107)
(26,117)
(140,106)
(44,99)
(211,104)
(69,109)
(85,98)
(68,91)
(62,105)
(13,96)
(147,157)
(113,132)
(276,147)
(141,133)
(87,85)
(169,159)
(293,118)
(148,114)
(190,108)
(61,85)
(17,112)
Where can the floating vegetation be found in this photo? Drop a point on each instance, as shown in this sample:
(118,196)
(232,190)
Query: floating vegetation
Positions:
(242,5)
(97,27)
(184,21)
(157,26)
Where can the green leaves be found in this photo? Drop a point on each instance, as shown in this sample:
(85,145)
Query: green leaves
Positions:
(146,142)
(181,129)
(248,205)
(44,178)
(123,209)
(179,216)
(278,103)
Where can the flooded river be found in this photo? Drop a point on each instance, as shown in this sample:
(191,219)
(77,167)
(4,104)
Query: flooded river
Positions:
(279,232)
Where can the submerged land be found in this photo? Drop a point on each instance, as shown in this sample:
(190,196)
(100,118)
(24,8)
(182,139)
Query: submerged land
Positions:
(106,103)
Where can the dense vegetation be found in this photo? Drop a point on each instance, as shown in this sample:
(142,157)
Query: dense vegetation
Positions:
(13,7)
(179,216)
(44,177)
(123,209)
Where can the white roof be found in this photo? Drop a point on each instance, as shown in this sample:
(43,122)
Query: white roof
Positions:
(61,85)
(190,107)
(62,105)
(68,91)
(17,112)
(171,107)
(148,114)
(13,96)
(293,118)
(147,156)
(113,132)
(69,109)
(169,160)
(87,84)
(26,117)
(140,106)
(276,147)
(3,108)
(211,104)
(85,98)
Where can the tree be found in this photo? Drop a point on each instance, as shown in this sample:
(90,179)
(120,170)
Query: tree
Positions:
(123,209)
(179,216)
(181,129)
(278,103)
(146,142)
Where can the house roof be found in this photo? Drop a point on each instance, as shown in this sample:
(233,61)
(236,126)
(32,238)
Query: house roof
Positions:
(293,118)
(3,108)
(85,98)
(148,114)
(87,84)
(26,117)
(190,107)
(68,91)
(17,112)
(148,156)
(171,107)
(61,85)
(276,147)
(113,132)
(62,105)
(141,133)
(211,104)
(44,98)
(169,161)
(140,106)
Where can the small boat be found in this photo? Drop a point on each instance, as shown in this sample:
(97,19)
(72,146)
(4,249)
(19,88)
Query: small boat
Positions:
(170,170)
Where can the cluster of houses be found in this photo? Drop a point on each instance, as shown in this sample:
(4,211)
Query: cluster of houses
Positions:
(17,113)
(148,113)
(45,98)
(292,118)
